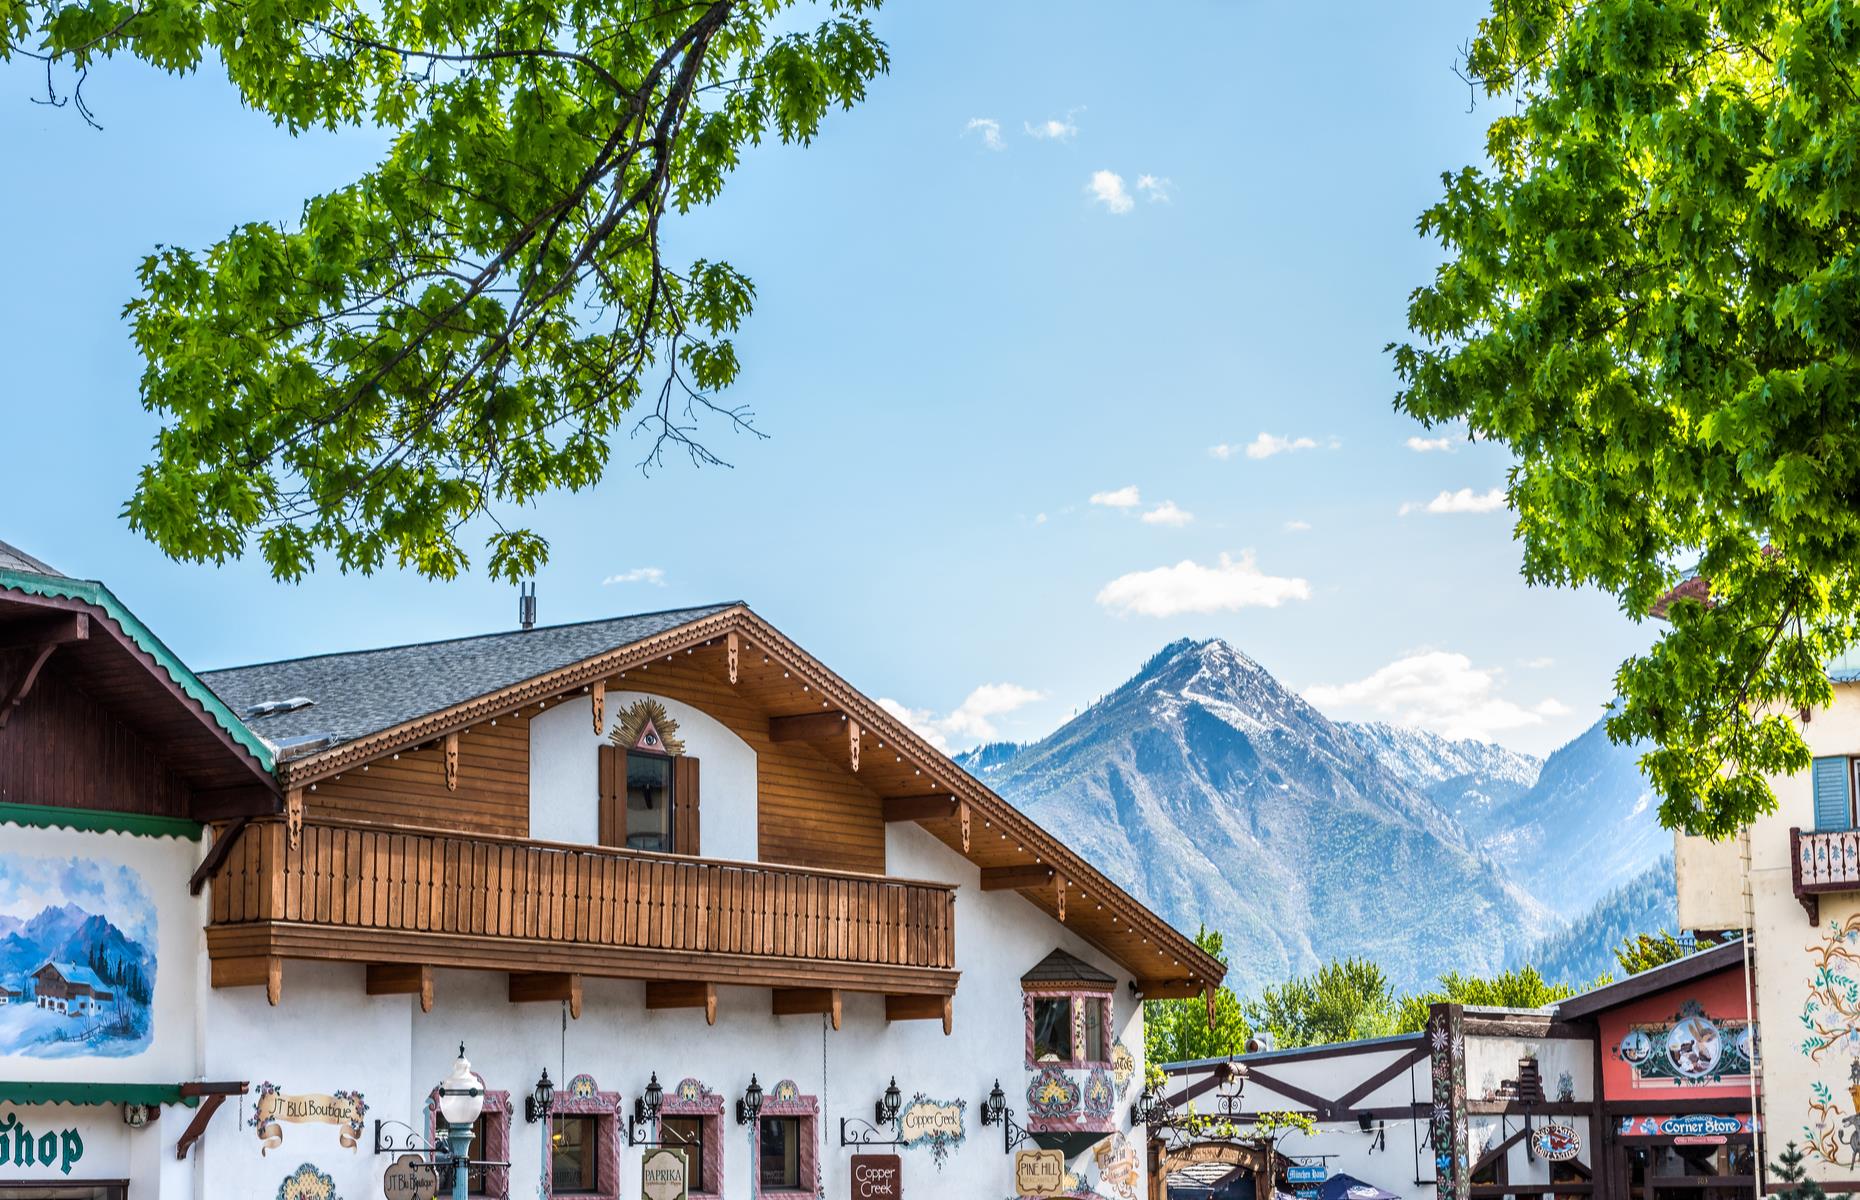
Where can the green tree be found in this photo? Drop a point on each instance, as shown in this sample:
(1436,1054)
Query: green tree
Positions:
(1179,1031)
(471,322)
(1645,951)
(1520,987)
(1339,1002)
(1651,296)
(1790,1171)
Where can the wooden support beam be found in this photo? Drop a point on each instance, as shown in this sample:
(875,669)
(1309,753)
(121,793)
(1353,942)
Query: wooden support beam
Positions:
(734,646)
(789,1002)
(852,731)
(681,994)
(45,631)
(1007,879)
(927,807)
(962,811)
(224,1087)
(808,727)
(251,972)
(294,816)
(21,687)
(1059,895)
(402,979)
(599,706)
(527,988)
(225,804)
(223,842)
(198,1126)
(918,1007)
(1169,989)
(452,762)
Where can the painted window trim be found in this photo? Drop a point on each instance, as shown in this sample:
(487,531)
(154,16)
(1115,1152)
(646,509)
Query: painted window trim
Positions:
(97,820)
(605,1108)
(805,1109)
(496,1139)
(708,1109)
(1074,995)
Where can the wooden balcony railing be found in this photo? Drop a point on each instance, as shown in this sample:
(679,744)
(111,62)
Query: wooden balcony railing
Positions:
(389,894)
(1822,863)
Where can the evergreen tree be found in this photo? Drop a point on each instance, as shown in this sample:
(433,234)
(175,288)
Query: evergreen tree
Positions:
(1789,1171)
(1645,951)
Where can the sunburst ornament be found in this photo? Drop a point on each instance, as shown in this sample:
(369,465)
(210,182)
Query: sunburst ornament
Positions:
(645,725)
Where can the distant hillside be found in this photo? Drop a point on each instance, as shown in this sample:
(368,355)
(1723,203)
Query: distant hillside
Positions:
(1214,794)
(1585,950)
(1467,778)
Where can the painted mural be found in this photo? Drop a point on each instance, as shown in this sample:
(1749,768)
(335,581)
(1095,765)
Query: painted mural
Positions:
(77,958)
(1119,1167)
(1693,1048)
(934,1125)
(307,1183)
(1830,1020)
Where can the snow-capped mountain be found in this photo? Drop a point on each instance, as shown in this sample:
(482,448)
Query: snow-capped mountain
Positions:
(1468,778)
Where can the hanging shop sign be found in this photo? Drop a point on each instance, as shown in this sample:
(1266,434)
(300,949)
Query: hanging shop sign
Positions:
(1307,1173)
(343,1110)
(307,1183)
(1693,1125)
(1039,1172)
(1556,1142)
(663,1175)
(409,1177)
(877,1177)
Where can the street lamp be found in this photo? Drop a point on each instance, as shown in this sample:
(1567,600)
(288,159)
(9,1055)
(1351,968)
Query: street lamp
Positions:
(537,1104)
(461,1099)
(750,1106)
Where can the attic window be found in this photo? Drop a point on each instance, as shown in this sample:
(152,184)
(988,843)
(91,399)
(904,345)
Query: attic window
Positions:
(1068,1011)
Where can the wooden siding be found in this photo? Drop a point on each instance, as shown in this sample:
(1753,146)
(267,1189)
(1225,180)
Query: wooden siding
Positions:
(493,793)
(367,893)
(63,748)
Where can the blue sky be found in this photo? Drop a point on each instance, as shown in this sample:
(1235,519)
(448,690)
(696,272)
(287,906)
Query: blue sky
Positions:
(1068,342)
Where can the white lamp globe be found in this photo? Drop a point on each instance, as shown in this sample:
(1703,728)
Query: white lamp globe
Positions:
(461,1096)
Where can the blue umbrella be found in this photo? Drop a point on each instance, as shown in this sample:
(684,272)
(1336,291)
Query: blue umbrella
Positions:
(1349,1187)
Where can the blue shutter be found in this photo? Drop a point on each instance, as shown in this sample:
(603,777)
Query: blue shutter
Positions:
(1833,803)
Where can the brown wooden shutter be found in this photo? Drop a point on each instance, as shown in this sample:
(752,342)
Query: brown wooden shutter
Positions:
(611,826)
(685,805)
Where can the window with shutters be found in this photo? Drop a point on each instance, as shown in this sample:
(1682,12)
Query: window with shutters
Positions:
(1833,780)
(648,801)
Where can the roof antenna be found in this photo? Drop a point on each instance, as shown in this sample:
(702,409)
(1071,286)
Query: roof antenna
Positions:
(526,604)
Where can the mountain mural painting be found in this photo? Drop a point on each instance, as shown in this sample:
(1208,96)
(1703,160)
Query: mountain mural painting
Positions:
(75,982)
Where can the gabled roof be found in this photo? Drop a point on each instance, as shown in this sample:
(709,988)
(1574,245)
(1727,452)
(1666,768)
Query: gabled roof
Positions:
(364,692)
(12,558)
(73,973)
(1729,956)
(1060,967)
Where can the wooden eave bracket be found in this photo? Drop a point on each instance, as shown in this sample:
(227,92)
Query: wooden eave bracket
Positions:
(662,994)
(597,693)
(927,807)
(788,1002)
(223,842)
(530,987)
(212,1096)
(733,645)
(920,1007)
(402,979)
(825,725)
(1013,879)
(452,762)
(42,636)
(250,971)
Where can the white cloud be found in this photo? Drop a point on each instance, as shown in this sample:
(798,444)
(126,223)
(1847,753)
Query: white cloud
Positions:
(1107,188)
(1538,664)
(1039,518)
(1167,513)
(1297,526)
(990,131)
(1124,497)
(1463,501)
(1421,445)
(1052,129)
(1157,188)
(1189,587)
(1437,690)
(652,575)
(970,721)
(1267,444)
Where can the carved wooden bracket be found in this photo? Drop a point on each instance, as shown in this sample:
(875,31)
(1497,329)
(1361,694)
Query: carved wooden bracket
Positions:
(735,648)
(1059,894)
(452,763)
(294,815)
(599,691)
(852,730)
(962,811)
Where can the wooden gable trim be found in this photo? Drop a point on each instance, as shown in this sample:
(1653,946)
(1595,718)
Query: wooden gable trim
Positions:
(1177,956)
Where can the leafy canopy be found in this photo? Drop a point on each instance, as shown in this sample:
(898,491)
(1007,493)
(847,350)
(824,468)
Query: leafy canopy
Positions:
(1519,987)
(470,323)
(1179,1030)
(1645,951)
(1651,295)
(1341,1001)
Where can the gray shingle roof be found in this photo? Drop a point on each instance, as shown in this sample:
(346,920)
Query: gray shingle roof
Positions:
(1060,967)
(12,558)
(366,691)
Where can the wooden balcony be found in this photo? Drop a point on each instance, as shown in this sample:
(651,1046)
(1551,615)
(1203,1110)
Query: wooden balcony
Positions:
(406,901)
(1823,863)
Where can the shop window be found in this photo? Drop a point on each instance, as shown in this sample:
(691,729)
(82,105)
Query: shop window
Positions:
(584,1142)
(1071,1030)
(490,1141)
(691,1119)
(787,1136)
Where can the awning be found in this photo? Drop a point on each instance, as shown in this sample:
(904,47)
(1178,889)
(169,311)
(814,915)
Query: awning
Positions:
(1349,1187)
(94,1093)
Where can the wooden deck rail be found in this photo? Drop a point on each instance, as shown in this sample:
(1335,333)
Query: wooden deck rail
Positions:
(1822,863)
(452,897)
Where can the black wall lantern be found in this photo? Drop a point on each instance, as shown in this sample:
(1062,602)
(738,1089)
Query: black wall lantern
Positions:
(854,1132)
(996,1112)
(750,1106)
(646,1108)
(1148,1109)
(537,1104)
